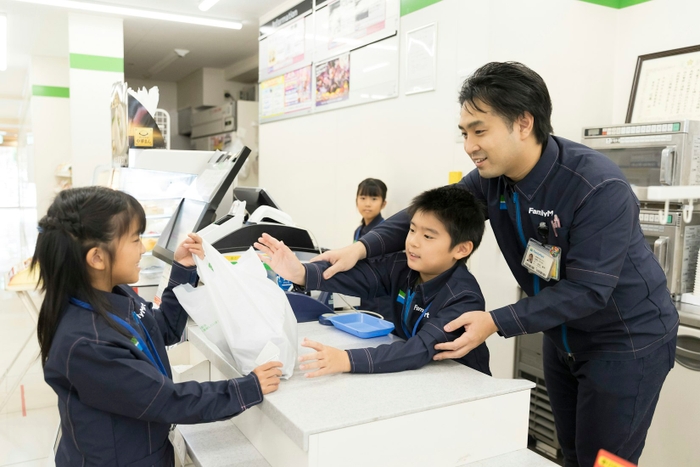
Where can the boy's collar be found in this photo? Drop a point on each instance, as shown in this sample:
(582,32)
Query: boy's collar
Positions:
(431,288)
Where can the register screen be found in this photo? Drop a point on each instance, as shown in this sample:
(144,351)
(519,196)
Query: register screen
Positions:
(187,217)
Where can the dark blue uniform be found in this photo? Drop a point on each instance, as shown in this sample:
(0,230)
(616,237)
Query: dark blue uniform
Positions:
(609,322)
(116,407)
(381,305)
(419,310)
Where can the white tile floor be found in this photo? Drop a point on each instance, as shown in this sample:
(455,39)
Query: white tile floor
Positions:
(29,421)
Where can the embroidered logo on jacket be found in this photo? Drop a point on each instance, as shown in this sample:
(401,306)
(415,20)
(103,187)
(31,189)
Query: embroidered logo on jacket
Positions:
(540,212)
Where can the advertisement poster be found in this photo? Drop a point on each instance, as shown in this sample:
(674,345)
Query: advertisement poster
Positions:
(286,46)
(297,90)
(333,80)
(287,93)
(355,19)
(272,97)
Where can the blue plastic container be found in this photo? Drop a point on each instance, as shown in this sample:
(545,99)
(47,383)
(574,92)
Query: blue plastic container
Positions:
(362,325)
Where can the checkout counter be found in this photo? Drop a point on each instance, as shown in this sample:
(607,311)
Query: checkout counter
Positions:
(443,414)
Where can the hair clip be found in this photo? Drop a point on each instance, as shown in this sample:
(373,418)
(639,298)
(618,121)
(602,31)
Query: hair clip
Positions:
(39,229)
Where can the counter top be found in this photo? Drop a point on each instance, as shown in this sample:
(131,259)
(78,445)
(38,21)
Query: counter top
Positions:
(690,314)
(302,406)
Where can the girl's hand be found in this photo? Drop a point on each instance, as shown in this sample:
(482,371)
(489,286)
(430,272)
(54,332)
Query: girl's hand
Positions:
(328,360)
(192,245)
(281,259)
(269,376)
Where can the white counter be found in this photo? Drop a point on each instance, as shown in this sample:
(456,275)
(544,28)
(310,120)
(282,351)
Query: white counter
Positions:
(442,414)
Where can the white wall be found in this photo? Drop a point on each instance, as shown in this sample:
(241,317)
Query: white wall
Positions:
(649,27)
(313,164)
(168,102)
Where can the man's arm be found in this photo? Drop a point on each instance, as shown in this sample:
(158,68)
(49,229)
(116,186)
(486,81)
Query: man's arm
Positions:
(599,238)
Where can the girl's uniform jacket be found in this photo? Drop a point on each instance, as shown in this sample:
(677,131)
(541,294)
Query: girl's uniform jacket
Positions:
(116,407)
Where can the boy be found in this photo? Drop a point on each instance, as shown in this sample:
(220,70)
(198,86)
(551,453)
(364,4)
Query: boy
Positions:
(429,283)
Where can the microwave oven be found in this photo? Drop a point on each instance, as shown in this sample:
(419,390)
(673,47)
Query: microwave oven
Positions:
(675,245)
(650,154)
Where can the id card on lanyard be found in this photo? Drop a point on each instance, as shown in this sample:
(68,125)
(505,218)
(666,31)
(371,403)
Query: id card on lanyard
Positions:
(148,350)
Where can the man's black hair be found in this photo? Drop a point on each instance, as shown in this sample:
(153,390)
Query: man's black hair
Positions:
(510,89)
(458,210)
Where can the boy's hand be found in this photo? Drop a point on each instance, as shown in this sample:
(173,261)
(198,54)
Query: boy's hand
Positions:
(281,259)
(342,259)
(269,376)
(478,326)
(328,360)
(192,245)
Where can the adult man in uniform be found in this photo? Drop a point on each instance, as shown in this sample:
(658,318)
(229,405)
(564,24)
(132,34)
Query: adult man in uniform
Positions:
(596,290)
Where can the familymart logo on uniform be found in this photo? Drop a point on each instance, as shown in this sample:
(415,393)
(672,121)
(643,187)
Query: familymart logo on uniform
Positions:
(540,212)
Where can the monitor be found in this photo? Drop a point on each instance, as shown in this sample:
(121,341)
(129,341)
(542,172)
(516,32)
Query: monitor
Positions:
(254,197)
(198,208)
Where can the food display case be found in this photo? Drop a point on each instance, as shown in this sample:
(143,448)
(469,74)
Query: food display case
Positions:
(160,194)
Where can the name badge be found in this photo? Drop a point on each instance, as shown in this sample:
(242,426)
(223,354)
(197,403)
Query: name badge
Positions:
(542,260)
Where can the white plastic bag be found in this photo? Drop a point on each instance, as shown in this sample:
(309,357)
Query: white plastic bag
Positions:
(241,304)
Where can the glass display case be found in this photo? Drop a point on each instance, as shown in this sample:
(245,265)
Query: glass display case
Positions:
(160,194)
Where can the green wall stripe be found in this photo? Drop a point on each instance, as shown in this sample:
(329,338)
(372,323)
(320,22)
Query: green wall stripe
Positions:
(616,3)
(50,91)
(96,63)
(409,6)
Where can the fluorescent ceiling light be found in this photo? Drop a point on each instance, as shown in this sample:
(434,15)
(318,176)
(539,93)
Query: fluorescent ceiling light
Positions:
(3,42)
(206,4)
(136,13)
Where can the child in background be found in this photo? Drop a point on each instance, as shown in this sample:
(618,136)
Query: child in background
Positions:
(103,346)
(429,283)
(370,200)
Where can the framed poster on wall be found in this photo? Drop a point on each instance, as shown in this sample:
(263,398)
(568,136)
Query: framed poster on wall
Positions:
(666,86)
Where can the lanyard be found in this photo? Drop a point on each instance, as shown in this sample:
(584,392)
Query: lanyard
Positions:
(140,344)
(407,311)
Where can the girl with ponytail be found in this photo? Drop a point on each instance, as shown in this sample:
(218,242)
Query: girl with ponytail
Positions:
(103,346)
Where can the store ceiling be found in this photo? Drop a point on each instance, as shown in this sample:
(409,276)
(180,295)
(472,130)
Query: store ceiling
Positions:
(41,30)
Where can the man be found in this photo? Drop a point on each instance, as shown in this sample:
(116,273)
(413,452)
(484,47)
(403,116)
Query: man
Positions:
(595,289)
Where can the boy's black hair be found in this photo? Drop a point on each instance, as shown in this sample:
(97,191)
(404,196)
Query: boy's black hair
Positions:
(458,210)
(372,187)
(510,89)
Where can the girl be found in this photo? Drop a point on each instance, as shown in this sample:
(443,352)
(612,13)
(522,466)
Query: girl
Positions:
(370,200)
(103,347)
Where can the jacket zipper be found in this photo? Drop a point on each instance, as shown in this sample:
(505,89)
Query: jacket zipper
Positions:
(535,278)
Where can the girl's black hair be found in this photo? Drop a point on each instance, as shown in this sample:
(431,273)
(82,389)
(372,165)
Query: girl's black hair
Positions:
(78,220)
(372,187)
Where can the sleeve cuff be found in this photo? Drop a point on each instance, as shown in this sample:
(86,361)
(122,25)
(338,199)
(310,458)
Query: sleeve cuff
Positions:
(314,275)
(360,361)
(248,390)
(507,322)
(180,274)
(373,244)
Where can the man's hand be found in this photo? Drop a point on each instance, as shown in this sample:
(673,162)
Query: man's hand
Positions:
(326,360)
(342,259)
(192,245)
(269,376)
(478,326)
(281,259)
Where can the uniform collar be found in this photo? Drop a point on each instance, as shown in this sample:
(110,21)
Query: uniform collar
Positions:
(120,303)
(532,182)
(375,222)
(431,288)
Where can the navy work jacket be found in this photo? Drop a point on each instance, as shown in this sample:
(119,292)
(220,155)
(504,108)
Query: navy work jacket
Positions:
(611,301)
(448,295)
(116,407)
